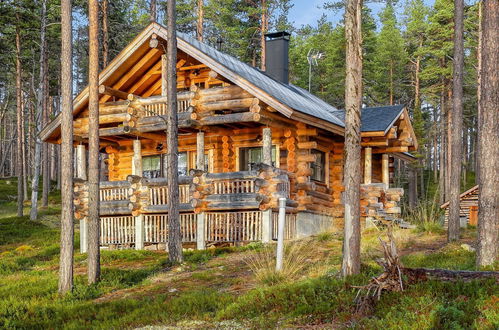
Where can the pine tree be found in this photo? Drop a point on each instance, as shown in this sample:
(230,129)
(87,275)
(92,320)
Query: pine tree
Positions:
(67,229)
(390,58)
(353,103)
(93,144)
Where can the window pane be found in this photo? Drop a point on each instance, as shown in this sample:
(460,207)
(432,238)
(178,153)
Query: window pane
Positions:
(250,156)
(319,166)
(182,163)
(151,166)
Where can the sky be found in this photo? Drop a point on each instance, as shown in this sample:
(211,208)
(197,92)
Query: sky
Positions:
(309,11)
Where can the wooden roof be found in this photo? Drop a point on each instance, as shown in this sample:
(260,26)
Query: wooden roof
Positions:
(137,69)
(469,192)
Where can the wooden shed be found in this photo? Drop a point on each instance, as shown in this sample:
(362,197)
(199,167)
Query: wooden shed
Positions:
(468,207)
(246,138)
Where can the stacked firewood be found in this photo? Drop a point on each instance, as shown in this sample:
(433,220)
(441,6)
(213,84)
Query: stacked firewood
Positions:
(380,203)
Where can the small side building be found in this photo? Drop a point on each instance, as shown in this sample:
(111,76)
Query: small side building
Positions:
(468,206)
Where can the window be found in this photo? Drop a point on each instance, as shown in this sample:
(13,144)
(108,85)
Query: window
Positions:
(151,166)
(319,166)
(250,156)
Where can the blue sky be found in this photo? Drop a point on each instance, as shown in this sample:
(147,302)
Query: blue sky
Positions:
(309,11)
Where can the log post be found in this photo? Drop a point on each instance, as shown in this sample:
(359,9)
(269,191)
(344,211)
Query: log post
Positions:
(139,232)
(267,146)
(164,65)
(385,174)
(367,165)
(200,165)
(137,158)
(201,231)
(267,226)
(81,173)
(81,162)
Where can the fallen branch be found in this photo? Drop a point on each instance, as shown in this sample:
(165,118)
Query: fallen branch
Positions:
(392,280)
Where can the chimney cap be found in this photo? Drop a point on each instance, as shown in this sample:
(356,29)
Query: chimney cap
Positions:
(279,34)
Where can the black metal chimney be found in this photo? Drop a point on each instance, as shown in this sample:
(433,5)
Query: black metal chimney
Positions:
(277,55)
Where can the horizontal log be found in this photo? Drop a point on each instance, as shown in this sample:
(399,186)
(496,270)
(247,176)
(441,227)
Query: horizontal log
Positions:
(245,205)
(112,92)
(307,145)
(449,275)
(230,118)
(164,208)
(321,195)
(104,119)
(226,104)
(241,175)
(234,198)
(114,184)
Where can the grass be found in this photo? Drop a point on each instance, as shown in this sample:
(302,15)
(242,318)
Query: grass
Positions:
(218,288)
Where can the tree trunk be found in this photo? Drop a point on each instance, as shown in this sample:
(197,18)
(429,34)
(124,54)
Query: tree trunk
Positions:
(264,28)
(476,165)
(352,170)
(20,142)
(67,229)
(40,112)
(488,214)
(153,12)
(93,143)
(441,150)
(105,33)
(46,148)
(200,20)
(174,234)
(456,126)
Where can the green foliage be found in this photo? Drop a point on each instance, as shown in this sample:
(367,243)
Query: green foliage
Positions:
(390,59)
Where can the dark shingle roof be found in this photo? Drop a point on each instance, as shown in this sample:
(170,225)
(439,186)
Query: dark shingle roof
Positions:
(290,95)
(374,119)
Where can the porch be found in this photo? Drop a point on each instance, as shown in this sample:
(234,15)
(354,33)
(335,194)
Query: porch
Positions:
(234,207)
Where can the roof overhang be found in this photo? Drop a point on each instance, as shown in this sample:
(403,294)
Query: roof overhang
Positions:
(139,46)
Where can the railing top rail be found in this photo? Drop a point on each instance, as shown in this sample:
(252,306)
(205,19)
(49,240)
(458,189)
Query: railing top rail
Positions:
(114,184)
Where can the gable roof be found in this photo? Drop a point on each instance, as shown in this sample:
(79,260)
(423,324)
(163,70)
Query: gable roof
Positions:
(290,100)
(472,190)
(290,95)
(376,119)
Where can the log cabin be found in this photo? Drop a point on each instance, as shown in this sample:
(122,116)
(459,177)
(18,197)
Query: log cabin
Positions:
(246,138)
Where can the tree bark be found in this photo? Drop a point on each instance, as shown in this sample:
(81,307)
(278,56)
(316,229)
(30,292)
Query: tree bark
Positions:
(262,34)
(93,144)
(200,20)
(352,170)
(40,111)
(47,150)
(174,234)
(67,229)
(153,12)
(441,150)
(20,142)
(488,214)
(456,123)
(105,33)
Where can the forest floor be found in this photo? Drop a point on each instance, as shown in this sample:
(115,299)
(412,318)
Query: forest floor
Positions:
(217,288)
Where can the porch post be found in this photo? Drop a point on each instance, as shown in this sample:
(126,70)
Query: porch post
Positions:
(139,232)
(367,165)
(385,174)
(137,170)
(201,231)
(200,165)
(164,64)
(267,226)
(81,173)
(267,146)
(81,162)
(137,158)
